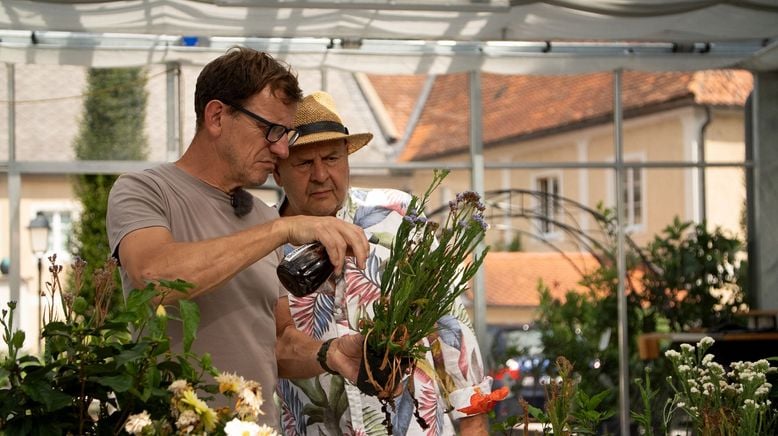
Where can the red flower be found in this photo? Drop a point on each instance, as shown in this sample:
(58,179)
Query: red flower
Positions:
(501,373)
(480,403)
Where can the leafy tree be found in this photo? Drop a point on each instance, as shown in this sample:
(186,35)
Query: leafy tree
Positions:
(694,278)
(112,128)
(672,284)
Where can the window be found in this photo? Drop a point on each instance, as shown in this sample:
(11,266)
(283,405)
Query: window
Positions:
(633,194)
(633,197)
(548,202)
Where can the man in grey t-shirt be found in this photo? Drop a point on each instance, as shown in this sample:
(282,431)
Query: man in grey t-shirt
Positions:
(192,220)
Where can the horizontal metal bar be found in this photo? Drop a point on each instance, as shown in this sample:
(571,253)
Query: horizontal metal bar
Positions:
(613,165)
(118,167)
(549,165)
(401,5)
(75,167)
(366,46)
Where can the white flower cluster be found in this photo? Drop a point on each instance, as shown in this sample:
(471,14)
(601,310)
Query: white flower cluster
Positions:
(136,423)
(193,415)
(704,389)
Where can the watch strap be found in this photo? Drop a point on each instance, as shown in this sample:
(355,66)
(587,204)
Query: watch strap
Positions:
(321,356)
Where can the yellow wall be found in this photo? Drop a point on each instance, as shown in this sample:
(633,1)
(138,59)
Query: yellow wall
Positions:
(670,136)
(39,192)
(724,143)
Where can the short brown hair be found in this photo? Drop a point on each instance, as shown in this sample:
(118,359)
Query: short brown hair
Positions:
(239,74)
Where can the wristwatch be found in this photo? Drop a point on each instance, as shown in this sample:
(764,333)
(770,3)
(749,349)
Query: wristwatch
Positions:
(321,356)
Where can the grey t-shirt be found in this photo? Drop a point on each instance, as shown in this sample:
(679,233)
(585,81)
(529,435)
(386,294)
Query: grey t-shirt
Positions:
(237,323)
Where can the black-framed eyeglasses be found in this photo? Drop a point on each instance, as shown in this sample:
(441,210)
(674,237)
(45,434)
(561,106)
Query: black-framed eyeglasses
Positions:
(274,131)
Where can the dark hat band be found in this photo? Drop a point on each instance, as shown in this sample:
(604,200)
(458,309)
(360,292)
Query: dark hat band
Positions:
(321,126)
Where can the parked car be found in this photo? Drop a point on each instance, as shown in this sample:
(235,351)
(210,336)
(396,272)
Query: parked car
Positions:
(518,362)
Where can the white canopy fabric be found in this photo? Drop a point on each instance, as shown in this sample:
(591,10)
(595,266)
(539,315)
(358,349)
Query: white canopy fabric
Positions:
(402,36)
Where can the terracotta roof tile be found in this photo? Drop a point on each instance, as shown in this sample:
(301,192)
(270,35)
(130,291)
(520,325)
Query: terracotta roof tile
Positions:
(399,94)
(511,278)
(722,87)
(521,105)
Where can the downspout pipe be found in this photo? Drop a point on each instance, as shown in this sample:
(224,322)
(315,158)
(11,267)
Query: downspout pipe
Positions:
(701,160)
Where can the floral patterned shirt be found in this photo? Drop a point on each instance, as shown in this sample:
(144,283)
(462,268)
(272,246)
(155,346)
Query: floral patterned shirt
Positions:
(443,383)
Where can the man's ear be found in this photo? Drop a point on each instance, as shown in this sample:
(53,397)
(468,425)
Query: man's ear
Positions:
(214,114)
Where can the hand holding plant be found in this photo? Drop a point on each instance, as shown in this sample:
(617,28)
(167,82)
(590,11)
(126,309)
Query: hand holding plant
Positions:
(427,270)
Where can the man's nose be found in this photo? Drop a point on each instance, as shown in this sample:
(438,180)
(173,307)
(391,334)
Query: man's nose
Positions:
(280,148)
(318,170)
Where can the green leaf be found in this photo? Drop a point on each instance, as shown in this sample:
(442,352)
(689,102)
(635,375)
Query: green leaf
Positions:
(177,285)
(55,327)
(28,361)
(33,426)
(117,332)
(170,367)
(206,361)
(162,346)
(119,383)
(190,315)
(594,401)
(42,392)
(537,413)
(138,351)
(125,317)
(145,394)
(140,298)
(153,376)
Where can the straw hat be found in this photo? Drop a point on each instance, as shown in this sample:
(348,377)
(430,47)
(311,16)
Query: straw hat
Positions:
(317,120)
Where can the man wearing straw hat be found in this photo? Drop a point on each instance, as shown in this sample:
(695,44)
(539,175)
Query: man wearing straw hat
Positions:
(192,220)
(315,178)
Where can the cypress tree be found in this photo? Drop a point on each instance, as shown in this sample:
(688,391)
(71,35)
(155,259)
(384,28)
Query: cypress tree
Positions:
(112,128)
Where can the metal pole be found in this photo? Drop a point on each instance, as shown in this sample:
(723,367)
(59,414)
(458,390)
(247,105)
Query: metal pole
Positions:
(764,139)
(14,199)
(172,74)
(621,257)
(40,297)
(477,182)
(703,215)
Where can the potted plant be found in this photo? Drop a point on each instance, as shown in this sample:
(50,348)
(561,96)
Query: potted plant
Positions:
(429,267)
(720,401)
(107,371)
